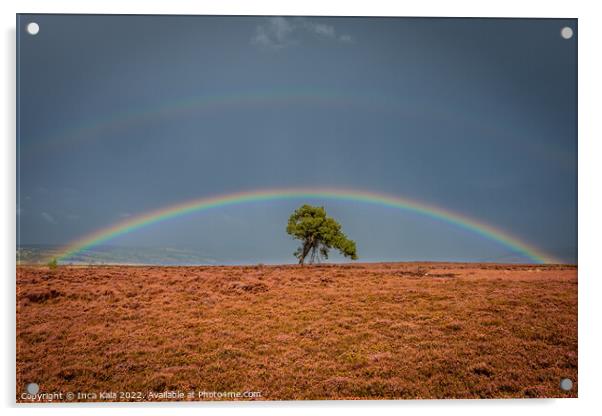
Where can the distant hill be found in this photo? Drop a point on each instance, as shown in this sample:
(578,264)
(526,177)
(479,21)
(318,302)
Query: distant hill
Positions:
(40,254)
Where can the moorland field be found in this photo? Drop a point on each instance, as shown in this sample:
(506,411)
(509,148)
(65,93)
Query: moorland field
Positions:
(361,331)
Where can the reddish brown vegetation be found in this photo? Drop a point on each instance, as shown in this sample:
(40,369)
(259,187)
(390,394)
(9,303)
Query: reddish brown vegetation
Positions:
(366,331)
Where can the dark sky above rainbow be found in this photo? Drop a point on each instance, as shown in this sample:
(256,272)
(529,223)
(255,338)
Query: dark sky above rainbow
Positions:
(121,116)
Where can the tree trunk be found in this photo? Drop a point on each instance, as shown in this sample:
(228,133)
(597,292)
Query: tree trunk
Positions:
(306,249)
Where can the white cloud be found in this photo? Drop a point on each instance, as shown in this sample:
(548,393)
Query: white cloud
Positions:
(319,29)
(279,32)
(276,33)
(49,218)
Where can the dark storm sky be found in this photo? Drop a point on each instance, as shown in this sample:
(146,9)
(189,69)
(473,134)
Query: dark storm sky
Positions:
(474,115)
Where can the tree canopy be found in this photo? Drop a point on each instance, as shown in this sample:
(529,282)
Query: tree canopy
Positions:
(318,234)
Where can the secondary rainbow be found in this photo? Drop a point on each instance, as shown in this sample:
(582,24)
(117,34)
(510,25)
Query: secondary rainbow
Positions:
(330,98)
(202,204)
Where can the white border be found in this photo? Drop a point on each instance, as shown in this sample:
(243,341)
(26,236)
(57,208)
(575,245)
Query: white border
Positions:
(590,202)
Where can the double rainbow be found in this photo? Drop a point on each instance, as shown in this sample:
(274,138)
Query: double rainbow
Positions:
(203,204)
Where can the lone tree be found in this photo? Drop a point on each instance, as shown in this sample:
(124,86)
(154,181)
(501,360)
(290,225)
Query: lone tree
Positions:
(318,234)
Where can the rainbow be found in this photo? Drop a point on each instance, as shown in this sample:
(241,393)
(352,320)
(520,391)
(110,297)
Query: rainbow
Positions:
(206,203)
(95,127)
(88,129)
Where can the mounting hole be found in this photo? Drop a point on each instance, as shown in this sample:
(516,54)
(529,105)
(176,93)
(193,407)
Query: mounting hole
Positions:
(566,32)
(566,384)
(33,388)
(33,28)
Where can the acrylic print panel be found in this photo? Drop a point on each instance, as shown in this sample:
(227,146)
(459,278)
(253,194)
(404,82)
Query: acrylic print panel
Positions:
(294,208)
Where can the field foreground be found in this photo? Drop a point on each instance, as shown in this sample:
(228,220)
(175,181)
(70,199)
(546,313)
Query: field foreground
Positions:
(362,331)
